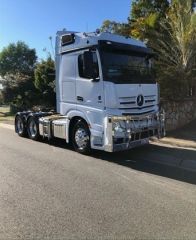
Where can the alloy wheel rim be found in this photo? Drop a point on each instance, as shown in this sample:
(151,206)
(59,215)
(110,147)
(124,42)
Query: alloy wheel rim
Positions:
(20,126)
(33,128)
(81,138)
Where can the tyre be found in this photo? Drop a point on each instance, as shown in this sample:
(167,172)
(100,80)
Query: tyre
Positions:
(33,128)
(20,127)
(81,137)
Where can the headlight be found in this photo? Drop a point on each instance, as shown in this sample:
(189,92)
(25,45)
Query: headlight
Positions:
(117,127)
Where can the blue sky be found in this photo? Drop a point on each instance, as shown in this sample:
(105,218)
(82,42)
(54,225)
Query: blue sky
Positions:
(33,21)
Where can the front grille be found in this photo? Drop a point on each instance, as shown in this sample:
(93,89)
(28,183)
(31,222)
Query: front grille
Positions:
(149,101)
(137,108)
(125,103)
(129,105)
(138,113)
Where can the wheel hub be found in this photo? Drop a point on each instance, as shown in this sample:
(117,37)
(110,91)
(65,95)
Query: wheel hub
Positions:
(20,126)
(81,138)
(33,128)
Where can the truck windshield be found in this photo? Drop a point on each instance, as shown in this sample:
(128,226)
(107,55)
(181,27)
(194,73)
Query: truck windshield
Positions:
(122,67)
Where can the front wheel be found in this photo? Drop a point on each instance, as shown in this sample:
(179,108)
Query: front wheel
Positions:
(81,137)
(33,128)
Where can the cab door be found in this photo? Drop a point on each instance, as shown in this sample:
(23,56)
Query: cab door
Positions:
(89,84)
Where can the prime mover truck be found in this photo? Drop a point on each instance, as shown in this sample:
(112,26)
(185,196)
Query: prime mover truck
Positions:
(107,97)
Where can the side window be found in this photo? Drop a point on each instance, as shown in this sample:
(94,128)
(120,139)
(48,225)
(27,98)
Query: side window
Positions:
(95,67)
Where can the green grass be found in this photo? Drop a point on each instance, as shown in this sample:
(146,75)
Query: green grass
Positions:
(4,109)
(5,114)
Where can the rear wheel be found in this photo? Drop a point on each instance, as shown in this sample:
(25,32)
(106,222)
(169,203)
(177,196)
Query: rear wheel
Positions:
(81,137)
(33,128)
(20,126)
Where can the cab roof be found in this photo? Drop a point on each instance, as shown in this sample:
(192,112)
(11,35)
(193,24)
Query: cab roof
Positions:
(76,40)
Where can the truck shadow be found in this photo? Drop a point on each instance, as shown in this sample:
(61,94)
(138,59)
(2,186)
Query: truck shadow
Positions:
(174,163)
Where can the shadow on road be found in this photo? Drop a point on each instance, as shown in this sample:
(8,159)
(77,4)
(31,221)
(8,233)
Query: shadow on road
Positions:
(158,160)
(155,160)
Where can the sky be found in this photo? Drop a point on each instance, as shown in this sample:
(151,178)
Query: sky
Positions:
(34,21)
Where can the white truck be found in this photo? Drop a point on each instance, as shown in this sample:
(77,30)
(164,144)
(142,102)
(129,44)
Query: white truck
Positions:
(106,95)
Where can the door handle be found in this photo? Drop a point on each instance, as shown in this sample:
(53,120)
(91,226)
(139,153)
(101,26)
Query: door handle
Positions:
(79,98)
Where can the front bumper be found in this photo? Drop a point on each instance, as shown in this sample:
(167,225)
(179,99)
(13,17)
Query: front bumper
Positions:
(126,132)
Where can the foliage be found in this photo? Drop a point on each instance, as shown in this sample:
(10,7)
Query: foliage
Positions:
(115,27)
(176,48)
(145,16)
(45,81)
(1,98)
(17,59)
(143,8)
(22,95)
(17,62)
(169,28)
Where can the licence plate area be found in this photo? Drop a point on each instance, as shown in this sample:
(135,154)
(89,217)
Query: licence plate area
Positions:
(139,125)
(142,123)
(133,137)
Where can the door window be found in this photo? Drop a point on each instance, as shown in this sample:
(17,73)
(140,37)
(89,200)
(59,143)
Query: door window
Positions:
(95,68)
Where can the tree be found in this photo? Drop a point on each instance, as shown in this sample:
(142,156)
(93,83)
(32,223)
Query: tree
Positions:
(169,28)
(145,16)
(45,81)
(17,62)
(176,48)
(17,59)
(116,27)
(143,8)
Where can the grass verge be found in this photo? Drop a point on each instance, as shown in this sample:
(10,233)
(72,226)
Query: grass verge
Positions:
(5,115)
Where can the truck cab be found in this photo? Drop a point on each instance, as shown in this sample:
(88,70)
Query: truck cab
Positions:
(107,94)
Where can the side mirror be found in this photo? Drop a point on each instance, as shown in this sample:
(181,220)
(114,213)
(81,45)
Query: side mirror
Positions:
(90,66)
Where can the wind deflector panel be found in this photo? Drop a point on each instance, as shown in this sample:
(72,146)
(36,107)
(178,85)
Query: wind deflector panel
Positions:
(114,46)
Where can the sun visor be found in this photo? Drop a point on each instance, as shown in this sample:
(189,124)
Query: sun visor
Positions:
(120,47)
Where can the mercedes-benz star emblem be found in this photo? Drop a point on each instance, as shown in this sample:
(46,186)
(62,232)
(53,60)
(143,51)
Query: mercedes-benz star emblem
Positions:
(140,100)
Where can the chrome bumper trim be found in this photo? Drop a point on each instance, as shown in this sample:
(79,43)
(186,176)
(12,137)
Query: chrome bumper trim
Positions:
(134,136)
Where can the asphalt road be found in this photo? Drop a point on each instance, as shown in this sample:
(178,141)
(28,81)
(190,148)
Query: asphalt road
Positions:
(47,191)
